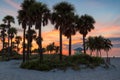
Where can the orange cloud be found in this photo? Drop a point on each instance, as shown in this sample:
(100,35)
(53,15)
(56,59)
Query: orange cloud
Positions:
(106,31)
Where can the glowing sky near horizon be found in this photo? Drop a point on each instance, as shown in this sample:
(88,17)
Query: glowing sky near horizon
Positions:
(105,12)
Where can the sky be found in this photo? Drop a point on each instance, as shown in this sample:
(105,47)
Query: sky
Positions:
(105,12)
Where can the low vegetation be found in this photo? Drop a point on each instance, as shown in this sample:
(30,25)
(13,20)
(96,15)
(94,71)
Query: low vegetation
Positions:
(14,56)
(74,62)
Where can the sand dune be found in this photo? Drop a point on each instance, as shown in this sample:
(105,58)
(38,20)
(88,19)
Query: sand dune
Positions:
(11,71)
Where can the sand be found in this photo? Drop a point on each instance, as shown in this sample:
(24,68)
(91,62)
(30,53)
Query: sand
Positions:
(10,71)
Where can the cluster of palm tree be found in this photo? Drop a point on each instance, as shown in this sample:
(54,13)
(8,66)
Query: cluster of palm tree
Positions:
(33,13)
(97,44)
(63,17)
(2,37)
(8,32)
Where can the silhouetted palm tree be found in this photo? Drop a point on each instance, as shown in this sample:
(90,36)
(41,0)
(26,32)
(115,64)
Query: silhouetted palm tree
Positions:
(8,20)
(107,46)
(90,44)
(41,17)
(57,49)
(12,32)
(98,42)
(70,28)
(60,10)
(23,21)
(2,35)
(25,18)
(32,34)
(50,47)
(18,39)
(85,25)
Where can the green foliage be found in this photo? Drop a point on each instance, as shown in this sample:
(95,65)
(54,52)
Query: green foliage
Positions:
(68,61)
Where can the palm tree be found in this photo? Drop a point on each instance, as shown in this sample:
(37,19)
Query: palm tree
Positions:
(90,44)
(32,34)
(25,18)
(50,47)
(8,20)
(56,49)
(3,34)
(107,46)
(98,42)
(70,28)
(12,32)
(27,6)
(60,10)
(23,21)
(85,25)
(41,17)
(18,39)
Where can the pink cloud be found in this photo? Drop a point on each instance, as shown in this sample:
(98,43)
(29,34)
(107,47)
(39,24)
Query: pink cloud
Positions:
(106,30)
(7,12)
(14,4)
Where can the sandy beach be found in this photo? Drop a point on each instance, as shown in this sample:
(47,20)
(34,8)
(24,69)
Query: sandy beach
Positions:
(10,71)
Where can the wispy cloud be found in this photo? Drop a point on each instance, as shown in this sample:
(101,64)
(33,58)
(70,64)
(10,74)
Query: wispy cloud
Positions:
(7,12)
(13,4)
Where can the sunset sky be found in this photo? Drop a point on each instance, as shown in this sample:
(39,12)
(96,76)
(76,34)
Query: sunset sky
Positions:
(105,12)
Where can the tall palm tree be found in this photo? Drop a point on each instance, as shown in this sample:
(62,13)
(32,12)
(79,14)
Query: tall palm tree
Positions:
(26,18)
(23,21)
(27,6)
(18,39)
(60,10)
(70,28)
(12,32)
(2,35)
(85,25)
(41,17)
(8,20)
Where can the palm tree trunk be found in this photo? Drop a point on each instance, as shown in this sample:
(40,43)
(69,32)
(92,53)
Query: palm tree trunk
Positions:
(30,49)
(107,59)
(8,46)
(11,48)
(24,45)
(107,53)
(3,45)
(28,46)
(70,45)
(84,44)
(60,44)
(40,45)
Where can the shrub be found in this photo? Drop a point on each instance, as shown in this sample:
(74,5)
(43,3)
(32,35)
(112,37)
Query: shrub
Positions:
(69,61)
